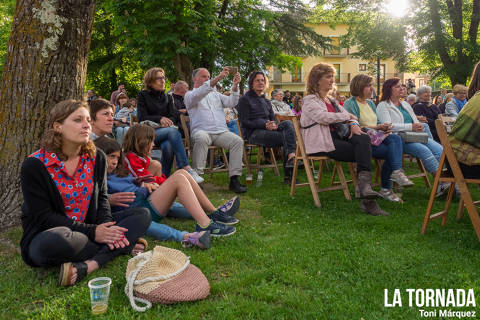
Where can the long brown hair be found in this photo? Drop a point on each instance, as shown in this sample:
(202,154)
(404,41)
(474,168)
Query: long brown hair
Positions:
(138,139)
(109,145)
(52,140)
(387,88)
(474,81)
(317,72)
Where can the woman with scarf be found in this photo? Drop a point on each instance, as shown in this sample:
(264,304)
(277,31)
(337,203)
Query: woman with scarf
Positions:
(453,108)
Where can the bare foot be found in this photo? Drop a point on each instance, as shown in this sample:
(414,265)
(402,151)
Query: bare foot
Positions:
(73,278)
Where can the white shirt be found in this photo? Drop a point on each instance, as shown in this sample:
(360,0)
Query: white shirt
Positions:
(205,107)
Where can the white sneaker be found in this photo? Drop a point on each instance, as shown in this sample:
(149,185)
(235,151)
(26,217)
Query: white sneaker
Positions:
(195,176)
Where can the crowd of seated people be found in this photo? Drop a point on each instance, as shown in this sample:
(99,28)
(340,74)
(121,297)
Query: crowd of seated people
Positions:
(83,206)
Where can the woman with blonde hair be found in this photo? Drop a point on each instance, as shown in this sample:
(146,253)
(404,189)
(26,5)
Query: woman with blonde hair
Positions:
(453,108)
(323,137)
(154,104)
(66,216)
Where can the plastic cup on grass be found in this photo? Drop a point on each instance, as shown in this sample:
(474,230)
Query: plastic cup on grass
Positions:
(99,293)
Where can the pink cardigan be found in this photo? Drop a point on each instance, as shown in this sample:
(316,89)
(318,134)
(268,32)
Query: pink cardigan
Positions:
(318,138)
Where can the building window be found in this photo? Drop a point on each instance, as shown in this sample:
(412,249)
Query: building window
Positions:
(336,66)
(362,67)
(297,75)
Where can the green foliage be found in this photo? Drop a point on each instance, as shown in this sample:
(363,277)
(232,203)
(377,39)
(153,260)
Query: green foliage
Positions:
(182,35)
(7,8)
(371,32)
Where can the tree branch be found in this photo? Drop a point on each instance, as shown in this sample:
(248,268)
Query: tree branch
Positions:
(223,10)
(455,13)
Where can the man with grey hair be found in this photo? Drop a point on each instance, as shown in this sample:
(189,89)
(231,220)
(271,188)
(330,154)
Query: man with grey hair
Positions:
(278,105)
(181,87)
(208,126)
(426,111)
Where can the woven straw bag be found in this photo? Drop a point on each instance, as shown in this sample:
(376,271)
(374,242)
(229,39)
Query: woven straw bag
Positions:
(163,275)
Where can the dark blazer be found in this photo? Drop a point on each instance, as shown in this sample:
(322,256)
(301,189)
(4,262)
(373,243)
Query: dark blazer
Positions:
(153,105)
(431,112)
(253,112)
(43,206)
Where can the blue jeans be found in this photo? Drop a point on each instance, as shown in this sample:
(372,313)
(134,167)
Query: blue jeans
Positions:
(391,150)
(170,140)
(119,133)
(429,153)
(163,232)
(232,126)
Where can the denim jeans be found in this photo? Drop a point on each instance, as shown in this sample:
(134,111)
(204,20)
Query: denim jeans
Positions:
(232,126)
(163,232)
(170,140)
(429,153)
(119,133)
(391,151)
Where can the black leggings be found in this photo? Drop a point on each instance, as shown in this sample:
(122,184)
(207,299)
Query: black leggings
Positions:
(57,245)
(284,136)
(469,172)
(356,149)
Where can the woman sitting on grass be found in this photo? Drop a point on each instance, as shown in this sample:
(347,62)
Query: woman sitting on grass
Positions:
(147,195)
(137,145)
(66,217)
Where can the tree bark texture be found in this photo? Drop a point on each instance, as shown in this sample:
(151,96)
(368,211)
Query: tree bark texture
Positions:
(46,63)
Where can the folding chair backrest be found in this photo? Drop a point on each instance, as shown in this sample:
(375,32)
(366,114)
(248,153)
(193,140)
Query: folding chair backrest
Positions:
(447,149)
(298,133)
(184,120)
(281,117)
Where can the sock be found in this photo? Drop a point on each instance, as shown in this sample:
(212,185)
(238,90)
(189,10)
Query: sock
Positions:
(203,227)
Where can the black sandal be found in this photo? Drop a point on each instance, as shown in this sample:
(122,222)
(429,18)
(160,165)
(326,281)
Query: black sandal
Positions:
(66,273)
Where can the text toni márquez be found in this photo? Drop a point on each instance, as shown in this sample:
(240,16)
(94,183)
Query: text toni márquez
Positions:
(434,298)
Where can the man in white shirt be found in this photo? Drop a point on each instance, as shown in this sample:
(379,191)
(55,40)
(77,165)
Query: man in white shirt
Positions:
(207,123)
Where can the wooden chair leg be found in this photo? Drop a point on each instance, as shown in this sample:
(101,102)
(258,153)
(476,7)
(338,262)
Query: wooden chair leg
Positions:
(274,162)
(425,173)
(311,182)
(225,159)
(212,157)
(294,176)
(431,200)
(461,206)
(470,206)
(247,161)
(259,158)
(448,202)
(343,181)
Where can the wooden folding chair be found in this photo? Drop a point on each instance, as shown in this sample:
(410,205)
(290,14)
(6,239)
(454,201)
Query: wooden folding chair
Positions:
(457,178)
(184,120)
(315,188)
(260,155)
(423,172)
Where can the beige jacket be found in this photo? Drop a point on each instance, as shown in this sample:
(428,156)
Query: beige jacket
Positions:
(318,137)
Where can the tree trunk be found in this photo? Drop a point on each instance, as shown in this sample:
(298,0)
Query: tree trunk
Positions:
(184,67)
(46,63)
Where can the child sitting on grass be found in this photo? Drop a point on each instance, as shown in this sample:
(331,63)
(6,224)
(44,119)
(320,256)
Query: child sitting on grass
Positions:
(160,201)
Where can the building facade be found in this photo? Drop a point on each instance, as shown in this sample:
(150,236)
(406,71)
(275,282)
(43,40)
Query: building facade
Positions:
(345,64)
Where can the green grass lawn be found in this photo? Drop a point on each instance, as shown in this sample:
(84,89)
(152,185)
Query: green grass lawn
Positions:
(288,260)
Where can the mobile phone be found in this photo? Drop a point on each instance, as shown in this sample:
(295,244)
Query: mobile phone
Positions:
(232,70)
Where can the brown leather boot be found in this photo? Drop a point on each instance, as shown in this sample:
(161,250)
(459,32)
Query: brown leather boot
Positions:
(365,186)
(372,207)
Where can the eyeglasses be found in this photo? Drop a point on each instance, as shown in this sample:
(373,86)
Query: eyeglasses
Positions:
(160,78)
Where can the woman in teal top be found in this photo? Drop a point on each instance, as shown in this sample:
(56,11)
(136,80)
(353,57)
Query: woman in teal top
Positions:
(391,147)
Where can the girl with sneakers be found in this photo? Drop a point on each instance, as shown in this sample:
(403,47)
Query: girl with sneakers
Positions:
(181,185)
